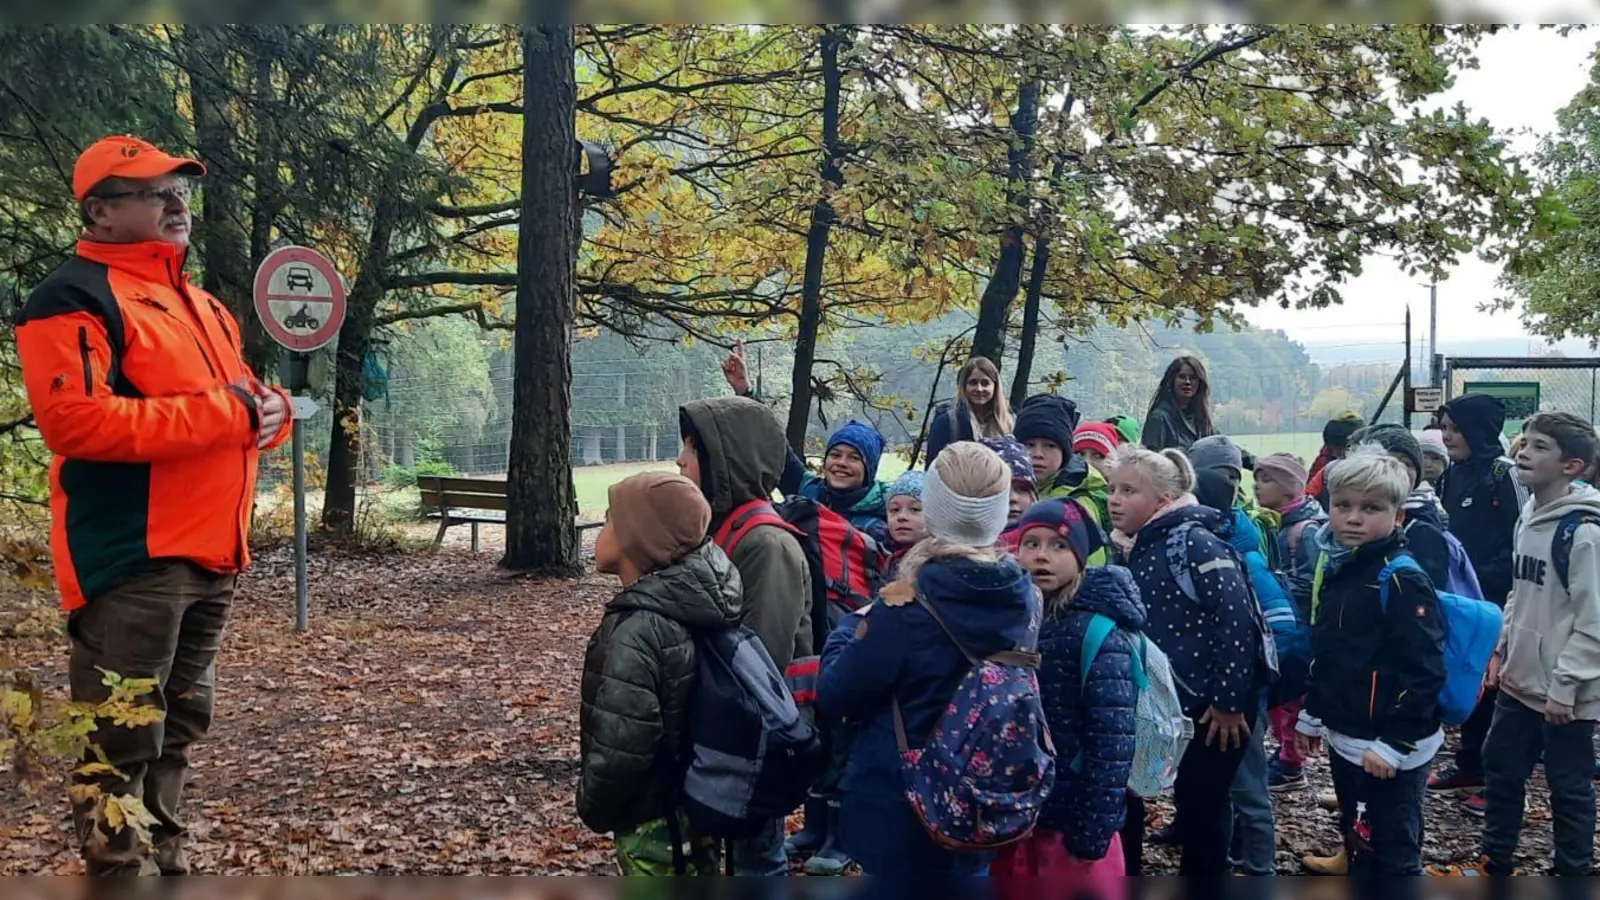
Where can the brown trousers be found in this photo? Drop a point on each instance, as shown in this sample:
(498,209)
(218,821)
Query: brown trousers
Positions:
(164,623)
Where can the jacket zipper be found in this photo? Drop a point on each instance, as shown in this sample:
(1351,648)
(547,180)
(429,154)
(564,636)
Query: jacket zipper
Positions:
(88,370)
(217,311)
(210,367)
(1372,698)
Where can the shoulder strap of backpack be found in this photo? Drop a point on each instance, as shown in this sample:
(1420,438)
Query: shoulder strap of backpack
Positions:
(1294,535)
(1561,545)
(1094,637)
(1020,658)
(740,522)
(1394,563)
(1316,583)
(1177,553)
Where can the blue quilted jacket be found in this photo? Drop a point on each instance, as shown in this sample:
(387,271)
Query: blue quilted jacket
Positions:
(1093,718)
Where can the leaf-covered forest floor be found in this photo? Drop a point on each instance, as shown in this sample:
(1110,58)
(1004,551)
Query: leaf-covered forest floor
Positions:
(428,723)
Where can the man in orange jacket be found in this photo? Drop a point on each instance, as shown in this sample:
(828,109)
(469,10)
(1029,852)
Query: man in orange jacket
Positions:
(155,422)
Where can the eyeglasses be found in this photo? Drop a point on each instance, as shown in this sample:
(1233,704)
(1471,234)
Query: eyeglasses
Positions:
(178,193)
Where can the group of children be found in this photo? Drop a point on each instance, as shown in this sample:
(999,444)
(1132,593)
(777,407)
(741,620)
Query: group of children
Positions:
(1021,541)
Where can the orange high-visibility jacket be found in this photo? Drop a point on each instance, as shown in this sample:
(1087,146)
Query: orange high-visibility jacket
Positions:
(141,393)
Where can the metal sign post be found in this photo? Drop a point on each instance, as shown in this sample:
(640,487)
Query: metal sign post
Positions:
(301,301)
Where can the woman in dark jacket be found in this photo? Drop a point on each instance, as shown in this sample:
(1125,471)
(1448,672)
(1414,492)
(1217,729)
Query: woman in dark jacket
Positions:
(1180,411)
(979,410)
(1199,608)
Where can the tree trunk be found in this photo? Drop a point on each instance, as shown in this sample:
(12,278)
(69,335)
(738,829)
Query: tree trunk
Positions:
(994,307)
(1030,321)
(822,217)
(228,267)
(344,448)
(542,500)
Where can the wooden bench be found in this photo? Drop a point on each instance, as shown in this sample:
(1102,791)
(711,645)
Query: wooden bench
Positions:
(469,501)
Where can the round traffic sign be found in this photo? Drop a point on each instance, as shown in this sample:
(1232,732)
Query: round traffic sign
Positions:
(300,298)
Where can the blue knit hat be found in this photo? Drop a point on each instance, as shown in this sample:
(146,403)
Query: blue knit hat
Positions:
(1015,456)
(865,440)
(907,485)
(1066,518)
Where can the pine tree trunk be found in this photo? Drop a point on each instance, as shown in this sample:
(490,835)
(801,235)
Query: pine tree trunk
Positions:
(1030,321)
(543,501)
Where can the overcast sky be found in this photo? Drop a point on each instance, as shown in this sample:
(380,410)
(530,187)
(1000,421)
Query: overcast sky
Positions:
(1525,77)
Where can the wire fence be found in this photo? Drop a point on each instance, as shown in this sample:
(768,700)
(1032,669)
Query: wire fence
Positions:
(1529,385)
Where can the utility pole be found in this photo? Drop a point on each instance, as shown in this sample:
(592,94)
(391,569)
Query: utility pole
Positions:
(1433,333)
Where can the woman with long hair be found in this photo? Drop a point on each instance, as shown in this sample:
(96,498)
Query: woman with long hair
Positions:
(978,411)
(1180,412)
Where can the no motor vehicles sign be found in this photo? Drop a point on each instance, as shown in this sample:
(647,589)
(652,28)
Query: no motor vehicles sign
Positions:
(300,298)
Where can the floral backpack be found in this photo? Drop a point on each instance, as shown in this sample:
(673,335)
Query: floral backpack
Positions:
(983,776)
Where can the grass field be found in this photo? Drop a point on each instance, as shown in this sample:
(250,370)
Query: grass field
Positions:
(594,481)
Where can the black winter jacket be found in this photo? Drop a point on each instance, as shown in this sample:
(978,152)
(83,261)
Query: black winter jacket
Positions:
(1376,674)
(638,675)
(1482,495)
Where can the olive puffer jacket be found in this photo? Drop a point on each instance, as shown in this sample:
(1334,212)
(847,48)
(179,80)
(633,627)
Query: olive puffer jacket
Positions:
(638,675)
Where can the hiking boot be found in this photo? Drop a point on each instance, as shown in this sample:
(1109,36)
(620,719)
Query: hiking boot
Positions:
(1329,801)
(1336,863)
(1165,836)
(811,836)
(1476,805)
(1452,780)
(1480,868)
(1283,779)
(831,859)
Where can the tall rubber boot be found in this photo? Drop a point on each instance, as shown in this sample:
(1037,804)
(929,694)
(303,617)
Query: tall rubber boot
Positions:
(831,859)
(814,834)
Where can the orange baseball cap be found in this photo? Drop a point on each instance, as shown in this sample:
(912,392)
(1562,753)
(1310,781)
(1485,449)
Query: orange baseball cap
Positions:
(125,156)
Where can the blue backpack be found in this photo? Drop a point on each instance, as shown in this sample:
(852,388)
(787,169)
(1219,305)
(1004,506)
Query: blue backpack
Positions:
(1561,545)
(983,776)
(1471,631)
(1161,731)
(1460,578)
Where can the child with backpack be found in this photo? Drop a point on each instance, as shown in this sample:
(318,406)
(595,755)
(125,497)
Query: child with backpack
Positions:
(1280,486)
(1424,524)
(1483,500)
(956,631)
(1202,615)
(1024,490)
(906,526)
(734,449)
(1254,839)
(1089,647)
(849,482)
(1379,666)
(1045,424)
(1547,663)
(639,668)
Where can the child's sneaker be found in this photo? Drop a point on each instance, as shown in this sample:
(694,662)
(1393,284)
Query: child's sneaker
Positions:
(1283,778)
(1453,779)
(1476,805)
(1479,869)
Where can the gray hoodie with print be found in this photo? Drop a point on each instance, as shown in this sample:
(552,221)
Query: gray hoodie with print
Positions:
(1551,632)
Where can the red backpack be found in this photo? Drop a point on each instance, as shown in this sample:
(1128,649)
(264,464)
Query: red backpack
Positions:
(846,565)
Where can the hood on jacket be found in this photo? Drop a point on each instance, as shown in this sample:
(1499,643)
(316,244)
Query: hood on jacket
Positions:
(1480,418)
(989,606)
(742,450)
(1213,490)
(1580,497)
(1307,510)
(1156,529)
(1076,475)
(702,590)
(1111,592)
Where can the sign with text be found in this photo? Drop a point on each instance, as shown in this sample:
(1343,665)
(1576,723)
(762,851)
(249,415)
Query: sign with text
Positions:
(1425,399)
